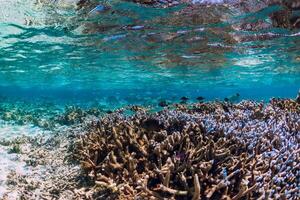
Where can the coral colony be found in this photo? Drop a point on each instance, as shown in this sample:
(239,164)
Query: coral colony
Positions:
(200,151)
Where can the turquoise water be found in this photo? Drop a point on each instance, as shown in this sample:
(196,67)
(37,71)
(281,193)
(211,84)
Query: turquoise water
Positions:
(52,55)
(136,54)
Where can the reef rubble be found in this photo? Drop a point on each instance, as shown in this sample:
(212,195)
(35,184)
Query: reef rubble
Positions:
(204,150)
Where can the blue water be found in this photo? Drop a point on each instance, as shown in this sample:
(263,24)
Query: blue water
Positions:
(116,53)
(140,54)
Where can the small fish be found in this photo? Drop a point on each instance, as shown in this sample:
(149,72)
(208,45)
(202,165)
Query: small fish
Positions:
(233,98)
(163,103)
(184,100)
(298,97)
(163,1)
(152,125)
(138,27)
(134,27)
(99,8)
(200,98)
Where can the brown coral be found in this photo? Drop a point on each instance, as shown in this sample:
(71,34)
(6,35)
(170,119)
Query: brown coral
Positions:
(173,155)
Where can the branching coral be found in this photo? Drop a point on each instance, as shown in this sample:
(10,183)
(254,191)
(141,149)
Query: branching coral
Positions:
(201,151)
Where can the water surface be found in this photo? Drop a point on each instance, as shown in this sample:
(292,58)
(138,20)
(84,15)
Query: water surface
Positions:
(143,52)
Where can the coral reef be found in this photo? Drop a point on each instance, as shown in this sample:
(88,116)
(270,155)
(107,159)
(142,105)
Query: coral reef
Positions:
(197,151)
(46,116)
(204,150)
(72,115)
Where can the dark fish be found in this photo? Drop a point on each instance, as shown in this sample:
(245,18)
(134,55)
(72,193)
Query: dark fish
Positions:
(184,98)
(163,103)
(200,98)
(109,112)
(233,98)
(152,125)
(298,98)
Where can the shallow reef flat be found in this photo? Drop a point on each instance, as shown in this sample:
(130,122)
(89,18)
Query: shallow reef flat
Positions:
(90,103)
(210,150)
(200,151)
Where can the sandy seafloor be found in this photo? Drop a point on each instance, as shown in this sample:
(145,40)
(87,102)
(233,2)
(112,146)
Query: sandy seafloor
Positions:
(12,162)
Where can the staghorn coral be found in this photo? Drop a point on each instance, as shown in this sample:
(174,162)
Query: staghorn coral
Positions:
(212,150)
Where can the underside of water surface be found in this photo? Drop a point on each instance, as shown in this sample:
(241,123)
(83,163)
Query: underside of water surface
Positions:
(139,52)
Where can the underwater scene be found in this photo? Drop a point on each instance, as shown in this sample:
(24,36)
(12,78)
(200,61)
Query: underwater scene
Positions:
(149,99)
